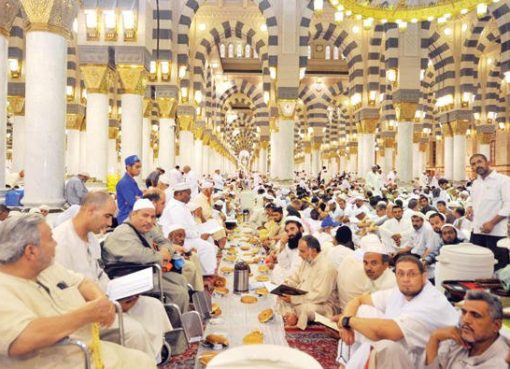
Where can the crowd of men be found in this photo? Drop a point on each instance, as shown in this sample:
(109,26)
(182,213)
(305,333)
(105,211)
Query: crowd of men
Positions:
(364,250)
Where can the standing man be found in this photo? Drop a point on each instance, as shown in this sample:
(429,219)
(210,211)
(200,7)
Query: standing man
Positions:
(218,180)
(374,181)
(75,189)
(490,195)
(153,178)
(191,178)
(127,188)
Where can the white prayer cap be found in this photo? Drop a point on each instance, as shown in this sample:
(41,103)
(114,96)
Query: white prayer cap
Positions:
(429,213)
(359,197)
(465,193)
(35,211)
(218,203)
(373,243)
(181,186)
(84,174)
(293,218)
(331,202)
(174,227)
(44,207)
(218,195)
(418,214)
(165,179)
(453,204)
(207,185)
(448,225)
(192,206)
(143,204)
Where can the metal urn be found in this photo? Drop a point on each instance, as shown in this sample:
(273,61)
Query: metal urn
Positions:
(241,277)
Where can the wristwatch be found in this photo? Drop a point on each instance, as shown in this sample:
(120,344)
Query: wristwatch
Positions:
(345,322)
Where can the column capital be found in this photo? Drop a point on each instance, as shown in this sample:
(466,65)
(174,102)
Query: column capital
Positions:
(286,108)
(446,130)
(273,126)
(75,121)
(147,108)
(389,142)
(113,133)
(98,78)
(485,137)
(206,138)
(367,125)
(459,127)
(316,145)
(264,144)
(55,16)
(133,78)
(167,107)
(16,105)
(416,137)
(198,133)
(8,11)
(405,110)
(185,122)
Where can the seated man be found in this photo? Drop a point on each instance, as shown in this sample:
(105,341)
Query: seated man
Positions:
(42,303)
(133,242)
(177,235)
(396,232)
(449,236)
(422,237)
(392,326)
(176,212)
(316,276)
(145,321)
(285,260)
(476,344)
(372,274)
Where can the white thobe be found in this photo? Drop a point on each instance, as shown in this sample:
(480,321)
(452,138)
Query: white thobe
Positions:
(192,179)
(338,253)
(219,183)
(392,227)
(146,322)
(374,183)
(176,212)
(175,176)
(417,319)
(288,262)
(422,239)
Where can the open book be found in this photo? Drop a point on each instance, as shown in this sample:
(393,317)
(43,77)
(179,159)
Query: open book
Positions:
(130,284)
(287,290)
(210,227)
(321,319)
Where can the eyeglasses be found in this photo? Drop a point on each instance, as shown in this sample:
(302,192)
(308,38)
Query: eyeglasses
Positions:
(411,274)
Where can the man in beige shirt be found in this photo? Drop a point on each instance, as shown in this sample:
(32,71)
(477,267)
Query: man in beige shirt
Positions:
(43,302)
(204,200)
(476,342)
(317,277)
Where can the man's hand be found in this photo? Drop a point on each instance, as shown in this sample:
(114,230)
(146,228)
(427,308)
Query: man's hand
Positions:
(128,303)
(205,236)
(179,249)
(165,254)
(285,298)
(487,227)
(102,311)
(449,333)
(347,336)
(284,239)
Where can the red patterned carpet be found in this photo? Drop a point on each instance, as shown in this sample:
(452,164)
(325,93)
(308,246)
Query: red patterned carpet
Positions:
(316,341)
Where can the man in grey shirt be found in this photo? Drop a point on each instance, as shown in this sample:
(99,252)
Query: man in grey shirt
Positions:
(75,189)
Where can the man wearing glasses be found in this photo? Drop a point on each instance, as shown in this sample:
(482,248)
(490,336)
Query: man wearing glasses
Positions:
(391,327)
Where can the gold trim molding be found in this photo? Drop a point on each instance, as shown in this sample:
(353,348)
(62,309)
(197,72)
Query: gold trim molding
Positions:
(16,105)
(167,107)
(133,78)
(54,16)
(98,78)
(405,111)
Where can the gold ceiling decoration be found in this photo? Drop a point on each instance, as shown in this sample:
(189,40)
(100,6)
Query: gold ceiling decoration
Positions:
(402,11)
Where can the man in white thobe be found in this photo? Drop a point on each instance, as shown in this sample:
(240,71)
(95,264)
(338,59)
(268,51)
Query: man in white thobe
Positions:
(145,319)
(390,328)
(374,181)
(191,178)
(176,212)
(218,180)
(396,232)
(423,236)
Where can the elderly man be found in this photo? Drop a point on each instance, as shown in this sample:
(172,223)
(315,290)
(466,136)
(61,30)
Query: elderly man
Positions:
(135,241)
(75,189)
(316,276)
(191,270)
(372,274)
(204,200)
(78,249)
(392,326)
(127,188)
(42,303)
(396,232)
(284,260)
(475,343)
(176,212)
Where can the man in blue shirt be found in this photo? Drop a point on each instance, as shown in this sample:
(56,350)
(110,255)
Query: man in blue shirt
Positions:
(127,188)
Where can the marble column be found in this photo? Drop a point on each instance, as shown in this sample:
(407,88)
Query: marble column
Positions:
(8,11)
(166,154)
(353,157)
(17,105)
(98,79)
(485,144)
(197,156)
(405,151)
(388,147)
(285,149)
(113,162)
(316,158)
(416,160)
(45,107)
(186,140)
(262,168)
(146,148)
(273,165)
(132,79)
(307,166)
(459,129)
(73,151)
(448,151)
(83,148)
